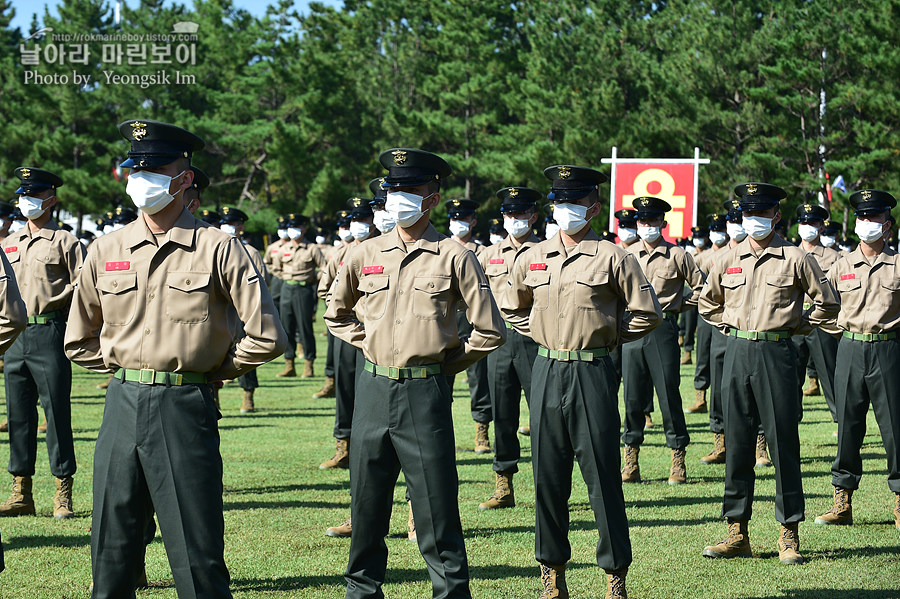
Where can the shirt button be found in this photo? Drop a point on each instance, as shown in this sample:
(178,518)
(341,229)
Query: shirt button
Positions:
(187,282)
(152,295)
(144,366)
(370,285)
(562,315)
(432,285)
(146,331)
(115,283)
(398,321)
(401,292)
(396,351)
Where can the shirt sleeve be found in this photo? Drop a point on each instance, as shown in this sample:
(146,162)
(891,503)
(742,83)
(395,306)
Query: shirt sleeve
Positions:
(643,312)
(488,328)
(264,338)
(695,279)
(516,302)
(825,303)
(711,302)
(340,316)
(12,307)
(82,341)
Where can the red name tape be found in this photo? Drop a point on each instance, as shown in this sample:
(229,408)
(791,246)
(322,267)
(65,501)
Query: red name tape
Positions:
(733,271)
(118,265)
(496,260)
(11,249)
(373,270)
(852,275)
(538,266)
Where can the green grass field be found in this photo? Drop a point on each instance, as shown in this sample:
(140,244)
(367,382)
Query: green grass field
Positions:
(278,504)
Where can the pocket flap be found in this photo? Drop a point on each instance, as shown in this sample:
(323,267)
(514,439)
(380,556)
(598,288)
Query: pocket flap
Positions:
(600,277)
(536,278)
(372,283)
(432,284)
(116,284)
(780,280)
(188,281)
(849,285)
(732,281)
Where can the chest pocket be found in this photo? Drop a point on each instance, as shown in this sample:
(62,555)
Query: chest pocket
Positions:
(49,267)
(733,287)
(889,294)
(589,289)
(780,288)
(187,297)
(539,283)
(849,292)
(431,297)
(375,288)
(118,297)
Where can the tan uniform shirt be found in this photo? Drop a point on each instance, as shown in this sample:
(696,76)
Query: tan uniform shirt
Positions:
(407,299)
(299,262)
(869,294)
(593,298)
(12,308)
(166,307)
(703,260)
(256,258)
(766,293)
(46,264)
(471,245)
(326,279)
(669,268)
(498,260)
(824,256)
(272,257)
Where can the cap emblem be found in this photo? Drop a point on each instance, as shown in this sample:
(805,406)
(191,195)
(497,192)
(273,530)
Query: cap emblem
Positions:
(26,173)
(564,172)
(752,189)
(866,195)
(399,157)
(513,193)
(139,130)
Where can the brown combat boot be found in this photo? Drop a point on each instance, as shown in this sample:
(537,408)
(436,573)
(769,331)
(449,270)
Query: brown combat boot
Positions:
(342,530)
(289,369)
(736,544)
(631,473)
(648,422)
(21,502)
(686,358)
(411,525)
(62,502)
(525,431)
(106,383)
(842,510)
(341,457)
(717,455)
(307,369)
(762,455)
(42,428)
(4,426)
(503,496)
(247,404)
(813,388)
(554,580)
(789,545)
(699,406)
(482,441)
(897,511)
(327,389)
(678,471)
(615,584)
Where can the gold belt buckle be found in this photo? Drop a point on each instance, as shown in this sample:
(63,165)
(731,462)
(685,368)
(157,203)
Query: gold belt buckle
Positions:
(868,336)
(152,372)
(753,335)
(393,372)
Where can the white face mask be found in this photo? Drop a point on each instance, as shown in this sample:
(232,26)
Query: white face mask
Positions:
(17,225)
(150,191)
(649,234)
(404,207)
(359,230)
(282,234)
(230,229)
(460,228)
(495,239)
(758,227)
(828,241)
(627,234)
(718,238)
(736,231)
(690,249)
(345,235)
(337,243)
(116,227)
(31,207)
(868,231)
(551,230)
(320,240)
(699,242)
(807,232)
(571,218)
(384,222)
(294,233)
(84,242)
(517,227)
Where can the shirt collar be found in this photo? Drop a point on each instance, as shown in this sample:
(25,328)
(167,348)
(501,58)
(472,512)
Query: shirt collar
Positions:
(775,247)
(182,232)
(587,246)
(428,242)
